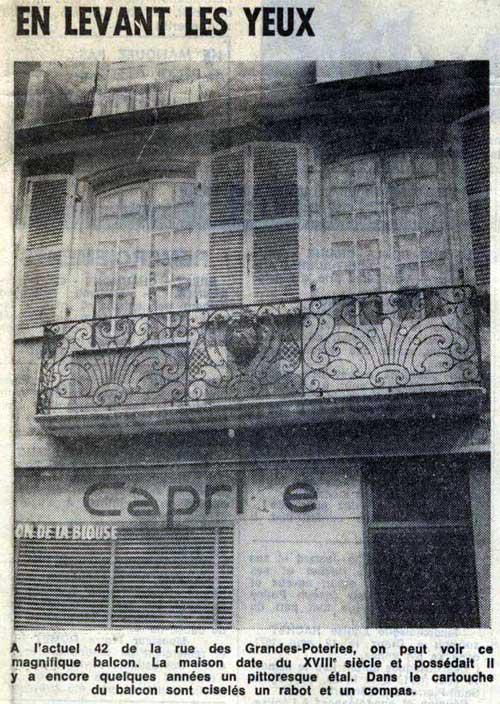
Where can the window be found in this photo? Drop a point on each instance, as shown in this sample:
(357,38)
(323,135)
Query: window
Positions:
(256,214)
(144,249)
(421,559)
(385,222)
(145,578)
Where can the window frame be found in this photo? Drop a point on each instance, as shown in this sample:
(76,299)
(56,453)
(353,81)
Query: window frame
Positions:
(386,235)
(145,240)
(373,527)
(250,224)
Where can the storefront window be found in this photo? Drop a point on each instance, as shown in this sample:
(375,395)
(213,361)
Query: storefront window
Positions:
(420,548)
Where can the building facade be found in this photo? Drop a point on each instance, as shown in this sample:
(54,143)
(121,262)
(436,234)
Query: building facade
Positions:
(252,345)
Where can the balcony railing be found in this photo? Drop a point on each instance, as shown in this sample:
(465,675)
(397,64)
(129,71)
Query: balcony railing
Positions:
(419,340)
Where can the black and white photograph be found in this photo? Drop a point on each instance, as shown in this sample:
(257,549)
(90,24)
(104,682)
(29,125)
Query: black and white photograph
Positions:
(252,365)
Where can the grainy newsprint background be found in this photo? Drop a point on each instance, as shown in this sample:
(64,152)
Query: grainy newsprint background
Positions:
(252,363)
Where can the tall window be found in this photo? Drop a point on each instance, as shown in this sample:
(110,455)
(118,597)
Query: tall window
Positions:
(143,258)
(257,212)
(385,223)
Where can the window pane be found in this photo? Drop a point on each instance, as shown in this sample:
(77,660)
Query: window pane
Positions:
(433,246)
(132,223)
(181,265)
(341,224)
(341,200)
(128,254)
(342,282)
(132,200)
(343,253)
(364,171)
(159,299)
(419,490)
(184,193)
(181,294)
(124,303)
(109,223)
(369,280)
(163,218)
(435,273)
(183,216)
(402,193)
(425,165)
(105,254)
(427,190)
(408,275)
(109,204)
(126,278)
(368,253)
(164,194)
(406,248)
(404,220)
(430,217)
(105,280)
(368,223)
(103,306)
(341,175)
(160,274)
(366,198)
(162,244)
(400,166)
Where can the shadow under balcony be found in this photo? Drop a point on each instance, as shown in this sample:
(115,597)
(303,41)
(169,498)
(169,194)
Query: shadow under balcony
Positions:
(378,355)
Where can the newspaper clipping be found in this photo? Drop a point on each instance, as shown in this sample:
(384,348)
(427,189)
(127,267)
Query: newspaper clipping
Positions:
(251,335)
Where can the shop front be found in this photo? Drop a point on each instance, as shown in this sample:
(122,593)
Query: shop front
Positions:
(303,543)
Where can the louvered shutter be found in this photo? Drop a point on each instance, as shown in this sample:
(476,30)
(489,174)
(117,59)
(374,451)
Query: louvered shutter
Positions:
(276,218)
(46,223)
(227,204)
(62,583)
(476,157)
(173,578)
(256,210)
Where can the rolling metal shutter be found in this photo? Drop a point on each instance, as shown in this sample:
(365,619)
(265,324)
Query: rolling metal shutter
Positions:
(46,223)
(146,578)
(476,155)
(62,583)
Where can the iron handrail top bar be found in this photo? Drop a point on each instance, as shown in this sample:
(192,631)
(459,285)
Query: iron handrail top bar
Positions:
(260,304)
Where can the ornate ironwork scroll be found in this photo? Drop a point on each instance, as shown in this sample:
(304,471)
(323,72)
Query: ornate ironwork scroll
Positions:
(393,340)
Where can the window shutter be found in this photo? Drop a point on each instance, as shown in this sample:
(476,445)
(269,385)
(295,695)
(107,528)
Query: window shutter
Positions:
(175,578)
(476,157)
(227,204)
(276,222)
(257,206)
(151,577)
(62,583)
(46,224)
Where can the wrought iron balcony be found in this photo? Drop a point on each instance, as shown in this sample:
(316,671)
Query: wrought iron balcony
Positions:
(317,349)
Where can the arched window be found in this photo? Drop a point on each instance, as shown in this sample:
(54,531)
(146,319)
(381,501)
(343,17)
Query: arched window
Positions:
(144,248)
